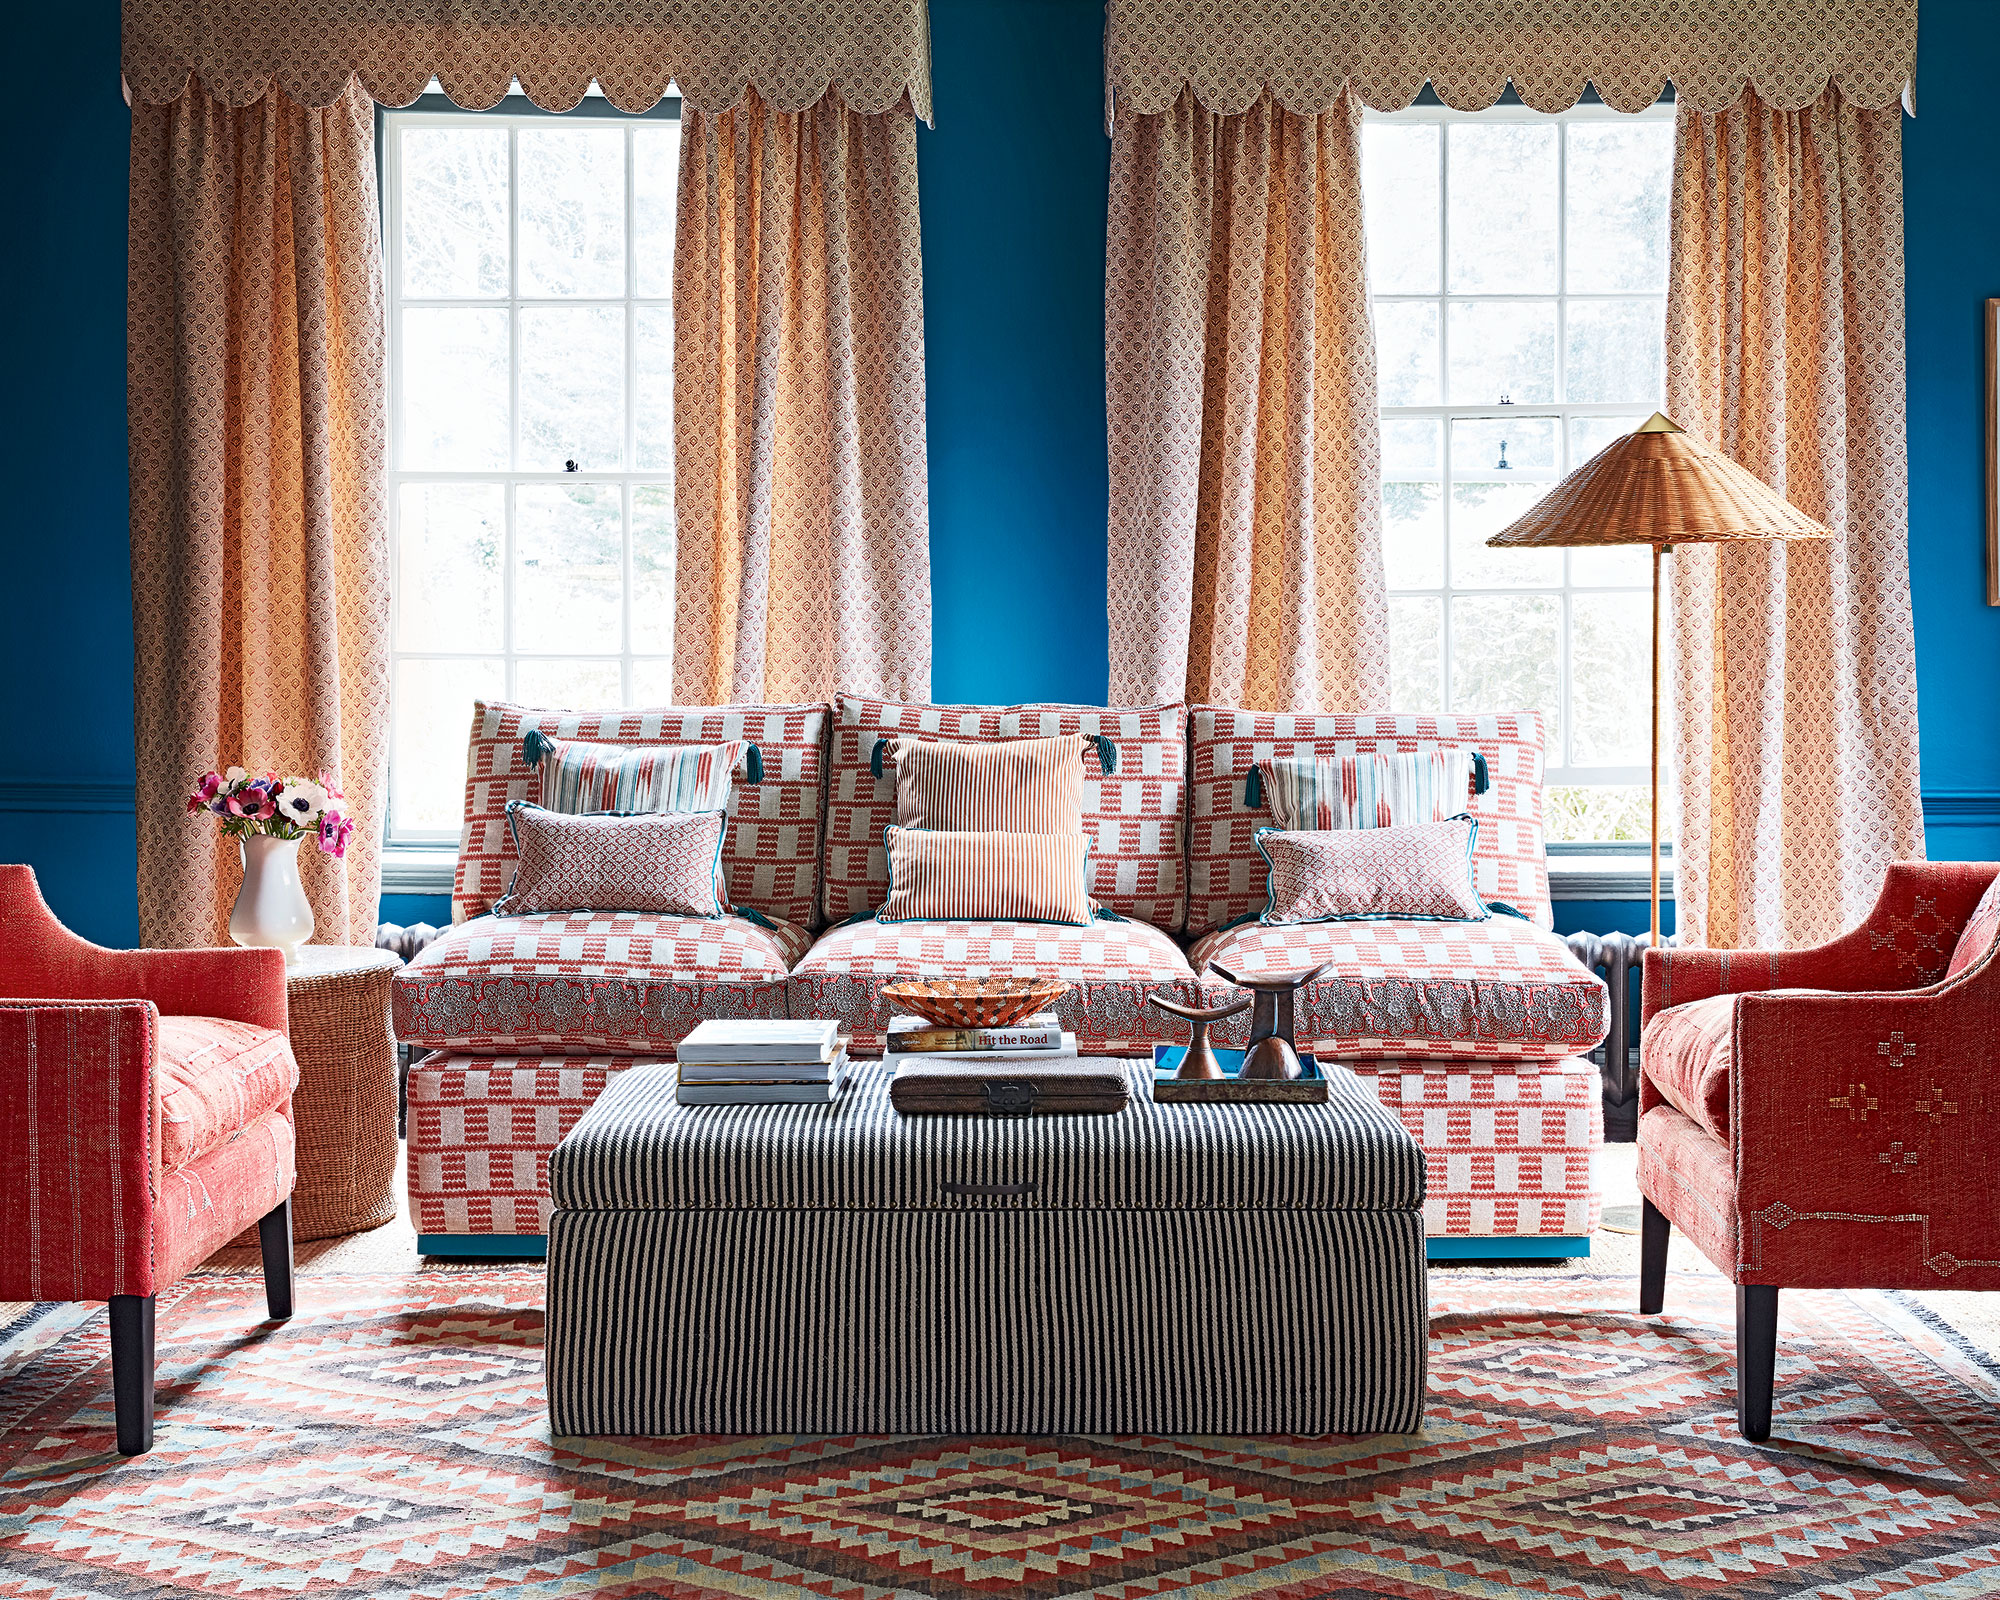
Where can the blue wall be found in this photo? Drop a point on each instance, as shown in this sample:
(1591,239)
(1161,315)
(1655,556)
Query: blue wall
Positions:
(1013,191)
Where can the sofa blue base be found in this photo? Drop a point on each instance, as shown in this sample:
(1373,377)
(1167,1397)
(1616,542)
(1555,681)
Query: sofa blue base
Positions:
(483,1244)
(1490,1247)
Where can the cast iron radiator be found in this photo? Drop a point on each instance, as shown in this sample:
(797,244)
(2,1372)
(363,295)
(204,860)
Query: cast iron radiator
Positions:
(1615,957)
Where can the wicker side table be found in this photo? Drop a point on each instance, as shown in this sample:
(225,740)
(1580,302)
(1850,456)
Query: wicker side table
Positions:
(345,1106)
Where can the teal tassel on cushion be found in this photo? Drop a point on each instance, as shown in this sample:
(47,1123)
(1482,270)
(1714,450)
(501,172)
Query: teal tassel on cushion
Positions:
(1107,754)
(753,764)
(1106,914)
(751,913)
(1253,788)
(1505,909)
(875,757)
(1482,780)
(534,745)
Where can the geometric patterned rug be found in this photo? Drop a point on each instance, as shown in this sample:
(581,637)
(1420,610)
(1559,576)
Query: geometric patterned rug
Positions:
(391,1441)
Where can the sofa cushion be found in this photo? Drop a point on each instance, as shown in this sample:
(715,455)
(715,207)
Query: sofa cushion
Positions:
(1225,873)
(771,856)
(1687,1054)
(1422,872)
(991,786)
(217,1077)
(659,861)
(567,982)
(1132,815)
(1500,988)
(1112,967)
(1023,877)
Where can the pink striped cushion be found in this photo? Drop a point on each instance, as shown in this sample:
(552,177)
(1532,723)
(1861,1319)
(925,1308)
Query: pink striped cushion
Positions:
(1024,877)
(578,775)
(994,786)
(1421,873)
(664,862)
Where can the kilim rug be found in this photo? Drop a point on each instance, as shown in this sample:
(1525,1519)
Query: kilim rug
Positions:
(390,1441)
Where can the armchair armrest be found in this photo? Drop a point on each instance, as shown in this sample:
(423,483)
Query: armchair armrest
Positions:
(1860,1125)
(1904,943)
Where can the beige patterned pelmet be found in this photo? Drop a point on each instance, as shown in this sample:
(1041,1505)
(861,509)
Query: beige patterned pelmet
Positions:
(1245,562)
(1794,670)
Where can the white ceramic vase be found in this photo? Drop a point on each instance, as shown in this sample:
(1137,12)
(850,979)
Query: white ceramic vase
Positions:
(271,910)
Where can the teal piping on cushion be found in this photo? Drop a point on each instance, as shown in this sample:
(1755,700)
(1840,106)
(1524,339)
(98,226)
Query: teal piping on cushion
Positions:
(753,763)
(534,745)
(1107,754)
(875,756)
(1253,788)
(1482,780)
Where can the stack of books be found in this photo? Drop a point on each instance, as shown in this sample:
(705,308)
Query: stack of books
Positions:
(1032,1040)
(754,1062)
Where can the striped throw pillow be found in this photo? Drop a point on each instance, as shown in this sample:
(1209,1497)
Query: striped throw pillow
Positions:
(990,786)
(1367,791)
(963,877)
(665,862)
(575,776)
(1421,873)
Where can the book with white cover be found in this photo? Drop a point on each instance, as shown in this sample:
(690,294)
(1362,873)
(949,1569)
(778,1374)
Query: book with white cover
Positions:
(760,1094)
(992,1060)
(918,1034)
(760,1039)
(742,1072)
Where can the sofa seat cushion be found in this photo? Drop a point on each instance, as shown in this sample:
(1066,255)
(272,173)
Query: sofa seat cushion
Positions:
(1687,1054)
(1501,988)
(569,981)
(1111,967)
(216,1078)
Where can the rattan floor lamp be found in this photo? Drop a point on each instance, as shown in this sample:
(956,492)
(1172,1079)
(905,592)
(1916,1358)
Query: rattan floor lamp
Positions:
(1659,487)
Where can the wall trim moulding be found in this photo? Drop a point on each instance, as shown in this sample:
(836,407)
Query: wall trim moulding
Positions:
(1962,808)
(65,799)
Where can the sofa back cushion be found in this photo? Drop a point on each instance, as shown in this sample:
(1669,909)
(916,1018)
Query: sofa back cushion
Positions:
(1226,875)
(1131,815)
(771,855)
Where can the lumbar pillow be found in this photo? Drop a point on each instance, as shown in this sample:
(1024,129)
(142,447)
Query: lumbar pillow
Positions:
(1021,877)
(1422,873)
(991,786)
(1365,791)
(666,862)
(1979,933)
(575,776)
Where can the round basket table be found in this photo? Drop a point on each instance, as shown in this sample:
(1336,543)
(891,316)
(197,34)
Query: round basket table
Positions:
(345,1106)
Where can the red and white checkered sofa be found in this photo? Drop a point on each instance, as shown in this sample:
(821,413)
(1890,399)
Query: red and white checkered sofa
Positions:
(1473,1034)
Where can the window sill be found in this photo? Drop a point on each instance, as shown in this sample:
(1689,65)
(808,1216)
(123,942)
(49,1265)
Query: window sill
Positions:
(414,869)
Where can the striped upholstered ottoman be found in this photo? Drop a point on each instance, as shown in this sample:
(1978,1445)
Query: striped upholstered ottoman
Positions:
(843,1269)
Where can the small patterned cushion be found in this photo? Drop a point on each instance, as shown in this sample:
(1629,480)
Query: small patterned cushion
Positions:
(216,1078)
(1358,791)
(576,775)
(1979,933)
(1421,873)
(1019,877)
(1002,786)
(1688,1053)
(665,862)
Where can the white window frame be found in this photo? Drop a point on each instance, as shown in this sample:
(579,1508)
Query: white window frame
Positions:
(425,114)
(1560,770)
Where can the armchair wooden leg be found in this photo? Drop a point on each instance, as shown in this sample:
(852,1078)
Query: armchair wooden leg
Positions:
(1654,1231)
(1756,1358)
(274,1235)
(132,1371)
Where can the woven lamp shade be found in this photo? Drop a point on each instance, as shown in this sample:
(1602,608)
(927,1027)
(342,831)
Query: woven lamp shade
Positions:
(1658,486)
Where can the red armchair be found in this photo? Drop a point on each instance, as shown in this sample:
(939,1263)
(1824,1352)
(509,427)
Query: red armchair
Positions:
(1818,1118)
(146,1115)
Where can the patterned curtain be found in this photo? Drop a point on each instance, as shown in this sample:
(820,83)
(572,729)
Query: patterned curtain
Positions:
(1796,694)
(803,560)
(256,404)
(1245,525)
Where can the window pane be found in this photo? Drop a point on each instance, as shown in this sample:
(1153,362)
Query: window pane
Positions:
(572,387)
(1399,175)
(454,390)
(568,685)
(1525,444)
(433,710)
(1480,510)
(1596,566)
(572,210)
(1503,655)
(1406,352)
(1416,655)
(1588,435)
(1502,350)
(655,400)
(1620,175)
(1413,535)
(1609,660)
(569,567)
(1588,813)
(454,211)
(1502,236)
(1410,447)
(1614,351)
(656,151)
(652,569)
(652,682)
(448,546)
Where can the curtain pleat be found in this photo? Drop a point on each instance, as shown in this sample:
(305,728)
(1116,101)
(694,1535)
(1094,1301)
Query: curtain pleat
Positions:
(1795,692)
(1245,562)
(803,560)
(257,412)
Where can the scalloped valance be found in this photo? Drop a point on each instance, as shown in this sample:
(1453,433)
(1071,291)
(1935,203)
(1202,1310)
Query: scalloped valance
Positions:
(1305,51)
(869,52)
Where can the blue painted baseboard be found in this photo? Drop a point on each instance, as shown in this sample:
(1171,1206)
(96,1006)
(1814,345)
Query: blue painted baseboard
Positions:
(483,1244)
(1489,1248)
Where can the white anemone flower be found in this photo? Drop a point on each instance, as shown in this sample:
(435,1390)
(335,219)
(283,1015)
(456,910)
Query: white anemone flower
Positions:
(233,777)
(301,801)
